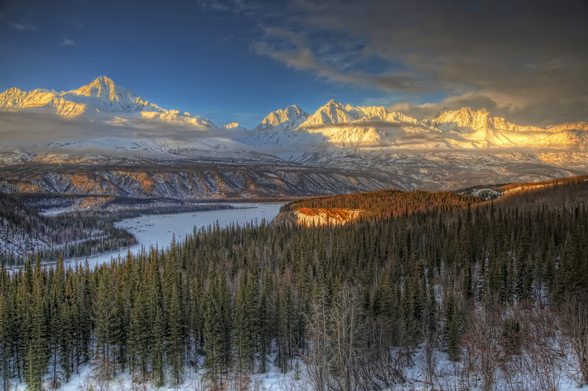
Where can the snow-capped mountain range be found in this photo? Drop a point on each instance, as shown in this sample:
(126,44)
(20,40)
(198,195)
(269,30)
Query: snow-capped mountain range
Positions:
(369,127)
(411,152)
(100,99)
(291,128)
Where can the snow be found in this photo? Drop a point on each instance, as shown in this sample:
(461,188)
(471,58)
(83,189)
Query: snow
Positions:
(54,212)
(272,380)
(101,99)
(334,130)
(290,117)
(234,126)
(456,149)
(334,123)
(449,376)
(152,230)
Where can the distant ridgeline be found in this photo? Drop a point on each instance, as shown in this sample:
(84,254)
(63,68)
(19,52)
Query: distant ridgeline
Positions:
(490,192)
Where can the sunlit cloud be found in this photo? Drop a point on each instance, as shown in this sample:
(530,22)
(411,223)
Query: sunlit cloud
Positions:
(526,59)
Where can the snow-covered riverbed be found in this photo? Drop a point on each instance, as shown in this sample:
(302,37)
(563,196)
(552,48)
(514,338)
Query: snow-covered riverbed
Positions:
(159,229)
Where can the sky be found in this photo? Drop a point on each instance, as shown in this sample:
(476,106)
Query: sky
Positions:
(237,60)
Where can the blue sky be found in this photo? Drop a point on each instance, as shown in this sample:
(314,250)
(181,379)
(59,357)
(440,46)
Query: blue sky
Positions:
(237,60)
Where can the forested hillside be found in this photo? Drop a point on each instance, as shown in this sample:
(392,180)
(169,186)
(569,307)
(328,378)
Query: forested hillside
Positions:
(22,229)
(497,291)
(74,234)
(384,204)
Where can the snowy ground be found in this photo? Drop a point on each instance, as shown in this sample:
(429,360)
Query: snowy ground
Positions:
(55,212)
(151,230)
(273,380)
(449,377)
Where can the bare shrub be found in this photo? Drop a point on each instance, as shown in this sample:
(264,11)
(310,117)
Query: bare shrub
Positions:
(481,342)
(574,316)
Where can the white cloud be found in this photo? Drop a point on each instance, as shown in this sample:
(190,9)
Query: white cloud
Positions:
(23,26)
(67,42)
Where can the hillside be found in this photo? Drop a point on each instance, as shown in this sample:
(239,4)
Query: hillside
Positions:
(23,230)
(188,180)
(76,227)
(383,204)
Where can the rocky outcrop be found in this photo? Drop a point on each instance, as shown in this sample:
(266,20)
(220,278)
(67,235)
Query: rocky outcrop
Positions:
(315,217)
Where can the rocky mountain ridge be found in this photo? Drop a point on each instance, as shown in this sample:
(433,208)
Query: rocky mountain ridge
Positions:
(101,99)
(453,150)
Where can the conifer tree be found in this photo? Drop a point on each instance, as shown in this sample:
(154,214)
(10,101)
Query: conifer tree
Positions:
(213,333)
(175,347)
(158,350)
(105,315)
(244,338)
(38,342)
(5,342)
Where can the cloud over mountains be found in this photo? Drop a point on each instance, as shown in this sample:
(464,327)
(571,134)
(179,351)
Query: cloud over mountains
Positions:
(526,59)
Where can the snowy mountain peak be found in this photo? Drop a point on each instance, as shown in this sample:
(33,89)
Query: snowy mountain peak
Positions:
(288,118)
(579,125)
(102,100)
(234,126)
(103,87)
(336,113)
(399,117)
(466,120)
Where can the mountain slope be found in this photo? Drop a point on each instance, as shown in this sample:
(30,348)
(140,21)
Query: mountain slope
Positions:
(21,229)
(110,126)
(466,120)
(101,99)
(289,118)
(189,181)
(374,127)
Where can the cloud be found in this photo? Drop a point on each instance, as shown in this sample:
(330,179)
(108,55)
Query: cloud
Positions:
(67,42)
(23,26)
(77,24)
(527,59)
(358,124)
(298,55)
(245,7)
(36,129)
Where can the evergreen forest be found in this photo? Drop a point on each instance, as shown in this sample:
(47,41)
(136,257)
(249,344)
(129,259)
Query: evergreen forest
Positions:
(498,288)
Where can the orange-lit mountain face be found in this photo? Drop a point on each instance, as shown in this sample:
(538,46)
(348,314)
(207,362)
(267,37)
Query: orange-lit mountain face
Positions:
(104,124)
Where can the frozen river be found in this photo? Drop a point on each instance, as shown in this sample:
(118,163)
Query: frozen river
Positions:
(159,229)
